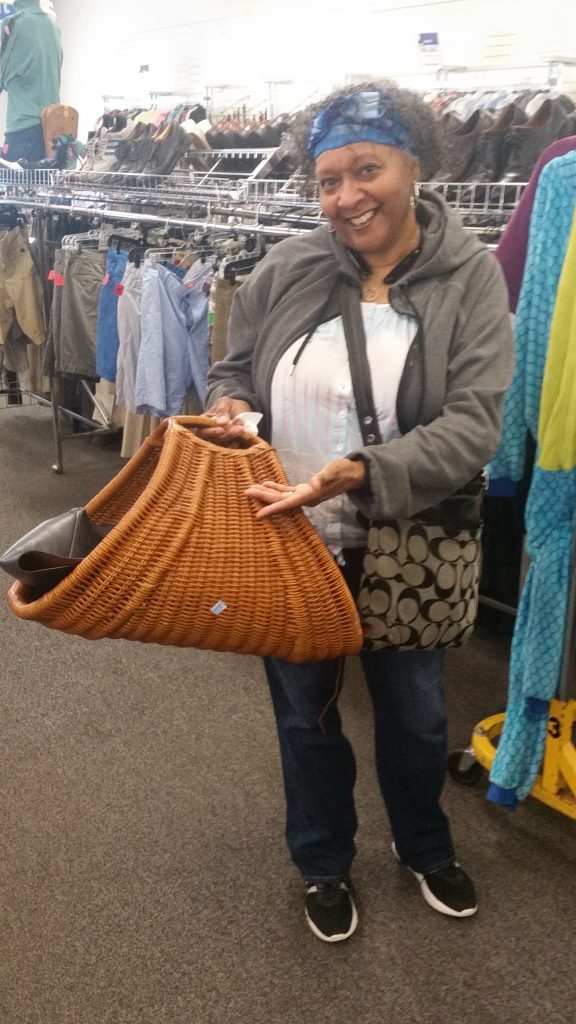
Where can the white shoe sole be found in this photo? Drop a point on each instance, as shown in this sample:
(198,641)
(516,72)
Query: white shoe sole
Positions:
(341,936)
(429,896)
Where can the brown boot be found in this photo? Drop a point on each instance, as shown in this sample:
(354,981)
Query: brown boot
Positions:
(458,147)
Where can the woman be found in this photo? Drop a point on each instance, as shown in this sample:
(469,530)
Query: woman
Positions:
(440,351)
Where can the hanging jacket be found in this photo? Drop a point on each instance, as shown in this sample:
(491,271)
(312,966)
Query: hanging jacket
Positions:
(458,368)
(536,661)
(30,64)
(550,226)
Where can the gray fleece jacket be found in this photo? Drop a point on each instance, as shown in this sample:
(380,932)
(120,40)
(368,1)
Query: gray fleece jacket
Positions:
(459,366)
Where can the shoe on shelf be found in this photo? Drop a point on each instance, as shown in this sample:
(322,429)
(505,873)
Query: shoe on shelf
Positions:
(170,147)
(115,148)
(525,143)
(47,163)
(568,126)
(95,148)
(448,890)
(330,910)
(458,146)
(568,105)
(490,154)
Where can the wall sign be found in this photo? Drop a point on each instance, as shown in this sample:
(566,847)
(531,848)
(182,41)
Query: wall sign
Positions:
(429,49)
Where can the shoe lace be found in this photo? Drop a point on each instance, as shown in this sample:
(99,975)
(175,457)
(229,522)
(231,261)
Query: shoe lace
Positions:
(328,893)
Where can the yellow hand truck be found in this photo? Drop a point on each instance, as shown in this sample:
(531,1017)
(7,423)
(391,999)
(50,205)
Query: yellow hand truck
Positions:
(556,782)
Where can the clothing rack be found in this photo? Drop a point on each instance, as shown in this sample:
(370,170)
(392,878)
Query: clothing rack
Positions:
(269,208)
(108,214)
(237,193)
(44,207)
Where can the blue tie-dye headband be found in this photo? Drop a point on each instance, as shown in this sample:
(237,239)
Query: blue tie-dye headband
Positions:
(358,117)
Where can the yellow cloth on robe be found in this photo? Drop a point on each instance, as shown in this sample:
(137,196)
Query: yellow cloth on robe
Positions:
(557,417)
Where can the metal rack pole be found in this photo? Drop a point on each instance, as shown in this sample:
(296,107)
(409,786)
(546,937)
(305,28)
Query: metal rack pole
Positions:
(145,218)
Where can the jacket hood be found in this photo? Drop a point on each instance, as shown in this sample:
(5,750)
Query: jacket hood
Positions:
(446,245)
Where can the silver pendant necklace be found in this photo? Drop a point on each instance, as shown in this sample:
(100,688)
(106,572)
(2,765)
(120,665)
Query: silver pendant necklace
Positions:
(371,293)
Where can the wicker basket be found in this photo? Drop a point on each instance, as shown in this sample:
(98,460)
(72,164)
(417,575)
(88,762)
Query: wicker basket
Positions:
(187,563)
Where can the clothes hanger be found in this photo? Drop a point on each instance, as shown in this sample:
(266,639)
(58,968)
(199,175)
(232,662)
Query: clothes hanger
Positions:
(124,241)
(240,265)
(137,254)
(76,241)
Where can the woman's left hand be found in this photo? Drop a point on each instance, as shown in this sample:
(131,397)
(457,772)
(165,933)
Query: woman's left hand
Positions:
(335,478)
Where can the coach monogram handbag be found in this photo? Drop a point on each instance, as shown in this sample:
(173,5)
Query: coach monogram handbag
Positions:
(420,579)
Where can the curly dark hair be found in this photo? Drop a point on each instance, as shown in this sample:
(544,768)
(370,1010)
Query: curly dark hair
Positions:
(407,105)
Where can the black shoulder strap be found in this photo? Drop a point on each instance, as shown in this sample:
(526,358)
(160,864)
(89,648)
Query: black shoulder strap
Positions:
(359,366)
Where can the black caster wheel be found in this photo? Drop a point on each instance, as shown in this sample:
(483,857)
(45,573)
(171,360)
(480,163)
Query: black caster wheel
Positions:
(464,768)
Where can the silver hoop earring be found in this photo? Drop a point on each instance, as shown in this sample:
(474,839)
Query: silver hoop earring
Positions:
(414,194)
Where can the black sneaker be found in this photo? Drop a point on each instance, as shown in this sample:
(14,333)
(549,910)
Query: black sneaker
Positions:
(448,890)
(330,910)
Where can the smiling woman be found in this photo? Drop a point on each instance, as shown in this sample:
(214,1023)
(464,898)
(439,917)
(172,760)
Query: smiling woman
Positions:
(440,360)
(367,193)
(368,188)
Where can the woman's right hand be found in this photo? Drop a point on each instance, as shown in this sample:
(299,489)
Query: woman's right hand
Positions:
(225,411)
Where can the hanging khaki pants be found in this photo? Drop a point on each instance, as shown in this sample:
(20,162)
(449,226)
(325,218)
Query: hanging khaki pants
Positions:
(20,288)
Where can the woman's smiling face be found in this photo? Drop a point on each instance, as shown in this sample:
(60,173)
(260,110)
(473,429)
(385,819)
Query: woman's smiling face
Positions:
(365,191)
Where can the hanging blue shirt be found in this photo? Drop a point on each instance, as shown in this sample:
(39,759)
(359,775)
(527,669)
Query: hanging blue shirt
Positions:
(174,356)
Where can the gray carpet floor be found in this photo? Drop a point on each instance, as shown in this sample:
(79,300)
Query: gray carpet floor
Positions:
(143,873)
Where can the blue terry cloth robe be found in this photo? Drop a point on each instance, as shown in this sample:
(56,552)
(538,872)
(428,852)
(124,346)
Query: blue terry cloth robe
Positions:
(540,629)
(550,225)
(539,632)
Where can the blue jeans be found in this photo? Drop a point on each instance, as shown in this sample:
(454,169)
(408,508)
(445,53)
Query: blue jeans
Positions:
(318,763)
(107,337)
(25,144)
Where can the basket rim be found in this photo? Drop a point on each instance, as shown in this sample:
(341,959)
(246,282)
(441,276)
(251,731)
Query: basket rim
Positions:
(175,423)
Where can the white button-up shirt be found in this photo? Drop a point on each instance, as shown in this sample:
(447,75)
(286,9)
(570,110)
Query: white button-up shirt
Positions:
(314,417)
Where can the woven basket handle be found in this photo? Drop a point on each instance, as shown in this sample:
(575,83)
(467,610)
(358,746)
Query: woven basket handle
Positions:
(194,422)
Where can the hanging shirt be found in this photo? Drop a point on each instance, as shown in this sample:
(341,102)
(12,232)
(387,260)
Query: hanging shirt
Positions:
(314,417)
(173,356)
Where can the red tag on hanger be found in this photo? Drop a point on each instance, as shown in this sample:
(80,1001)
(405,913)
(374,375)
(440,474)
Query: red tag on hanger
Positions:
(106,279)
(119,289)
(51,275)
(59,280)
